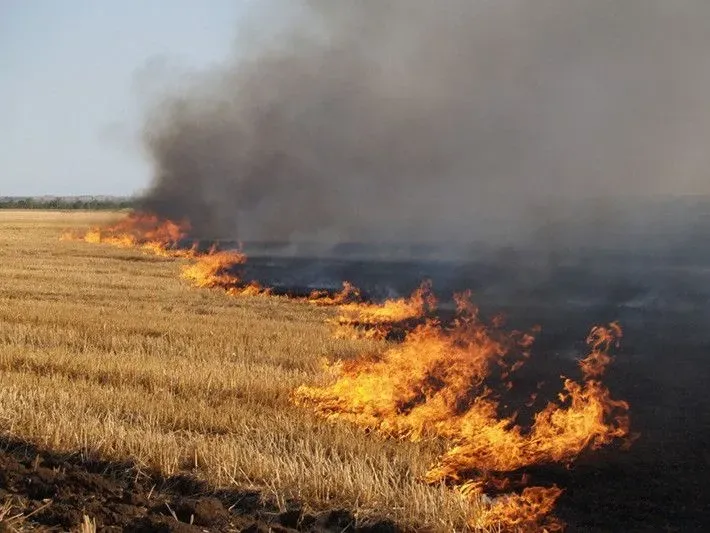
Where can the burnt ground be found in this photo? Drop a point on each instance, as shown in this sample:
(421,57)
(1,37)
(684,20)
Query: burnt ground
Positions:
(662,369)
(661,297)
(54,492)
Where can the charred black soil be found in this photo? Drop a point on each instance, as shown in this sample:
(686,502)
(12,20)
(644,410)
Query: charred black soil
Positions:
(659,483)
(661,368)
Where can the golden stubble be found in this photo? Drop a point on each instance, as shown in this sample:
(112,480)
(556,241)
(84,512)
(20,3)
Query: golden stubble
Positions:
(107,352)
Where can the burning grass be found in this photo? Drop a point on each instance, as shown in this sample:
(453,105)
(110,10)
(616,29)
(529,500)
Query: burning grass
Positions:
(144,231)
(381,320)
(221,379)
(218,269)
(104,353)
(438,384)
(348,294)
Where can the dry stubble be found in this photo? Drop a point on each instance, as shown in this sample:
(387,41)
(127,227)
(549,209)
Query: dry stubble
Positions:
(107,352)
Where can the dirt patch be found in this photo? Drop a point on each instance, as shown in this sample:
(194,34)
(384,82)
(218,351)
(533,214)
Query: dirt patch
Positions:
(45,491)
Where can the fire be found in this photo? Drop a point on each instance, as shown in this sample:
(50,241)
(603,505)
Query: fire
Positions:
(443,382)
(216,269)
(376,321)
(349,294)
(528,511)
(439,383)
(145,231)
(213,269)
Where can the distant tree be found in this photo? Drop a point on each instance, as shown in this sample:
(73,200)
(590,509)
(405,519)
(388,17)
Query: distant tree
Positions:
(66,203)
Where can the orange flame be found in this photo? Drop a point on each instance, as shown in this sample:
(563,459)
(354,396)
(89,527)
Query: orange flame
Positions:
(528,511)
(375,321)
(216,270)
(349,294)
(435,384)
(142,230)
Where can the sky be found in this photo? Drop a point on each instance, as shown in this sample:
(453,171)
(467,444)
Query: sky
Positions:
(75,76)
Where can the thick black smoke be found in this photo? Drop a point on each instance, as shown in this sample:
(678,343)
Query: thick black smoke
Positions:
(448,120)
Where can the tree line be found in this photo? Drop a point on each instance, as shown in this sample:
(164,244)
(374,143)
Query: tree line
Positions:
(67,203)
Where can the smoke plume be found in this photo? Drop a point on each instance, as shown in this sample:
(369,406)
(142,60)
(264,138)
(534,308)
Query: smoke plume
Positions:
(450,120)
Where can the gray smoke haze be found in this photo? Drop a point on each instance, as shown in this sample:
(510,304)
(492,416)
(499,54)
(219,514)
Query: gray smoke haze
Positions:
(446,120)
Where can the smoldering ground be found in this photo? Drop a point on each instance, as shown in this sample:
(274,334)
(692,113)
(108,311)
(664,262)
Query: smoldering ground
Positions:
(430,121)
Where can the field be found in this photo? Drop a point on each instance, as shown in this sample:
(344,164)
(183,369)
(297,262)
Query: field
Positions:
(106,353)
(133,401)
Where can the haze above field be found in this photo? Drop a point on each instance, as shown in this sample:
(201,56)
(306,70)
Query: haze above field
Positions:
(464,120)
(335,121)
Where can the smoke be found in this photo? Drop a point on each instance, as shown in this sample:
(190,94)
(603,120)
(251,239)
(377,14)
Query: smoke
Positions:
(451,120)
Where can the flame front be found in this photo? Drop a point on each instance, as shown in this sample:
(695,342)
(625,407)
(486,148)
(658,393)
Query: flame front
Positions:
(441,381)
(377,321)
(438,383)
(349,294)
(142,230)
(216,269)
(211,269)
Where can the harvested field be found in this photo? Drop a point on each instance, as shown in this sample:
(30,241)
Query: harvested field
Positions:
(135,400)
(105,353)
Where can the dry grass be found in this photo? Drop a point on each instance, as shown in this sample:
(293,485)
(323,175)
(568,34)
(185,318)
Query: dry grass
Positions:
(88,525)
(13,518)
(106,351)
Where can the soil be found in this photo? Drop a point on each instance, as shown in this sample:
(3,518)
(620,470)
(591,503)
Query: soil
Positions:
(53,492)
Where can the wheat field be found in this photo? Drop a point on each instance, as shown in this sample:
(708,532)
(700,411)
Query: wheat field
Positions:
(107,352)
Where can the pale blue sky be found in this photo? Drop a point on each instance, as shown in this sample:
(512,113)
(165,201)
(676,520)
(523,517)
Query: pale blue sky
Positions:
(73,77)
